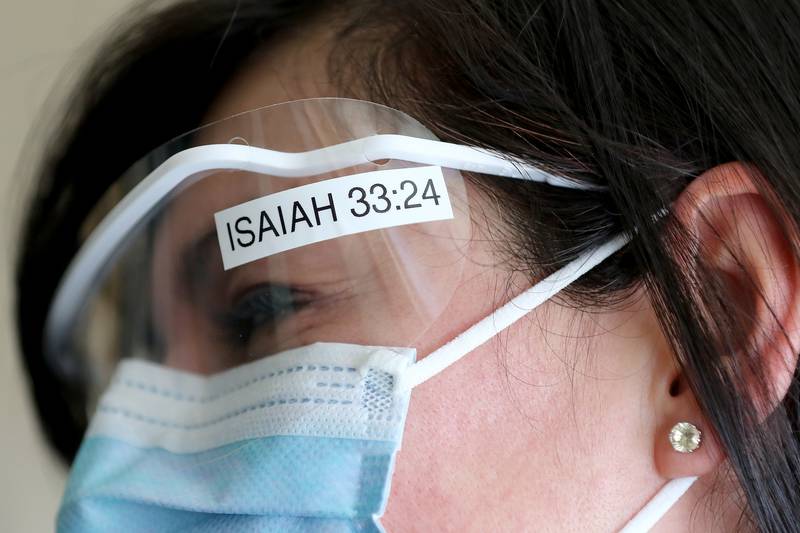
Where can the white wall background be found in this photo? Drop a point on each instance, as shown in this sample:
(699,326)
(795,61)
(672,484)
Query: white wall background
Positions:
(40,41)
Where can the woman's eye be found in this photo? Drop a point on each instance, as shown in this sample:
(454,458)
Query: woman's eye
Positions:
(261,306)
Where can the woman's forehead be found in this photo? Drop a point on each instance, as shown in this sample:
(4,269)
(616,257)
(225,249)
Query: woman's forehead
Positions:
(292,68)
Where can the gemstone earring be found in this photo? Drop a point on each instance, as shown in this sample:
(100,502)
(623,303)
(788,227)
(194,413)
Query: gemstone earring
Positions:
(685,437)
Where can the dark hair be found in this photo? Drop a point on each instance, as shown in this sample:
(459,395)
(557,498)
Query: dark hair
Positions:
(638,97)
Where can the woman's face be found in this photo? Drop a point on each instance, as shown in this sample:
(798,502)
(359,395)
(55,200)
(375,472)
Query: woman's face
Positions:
(547,424)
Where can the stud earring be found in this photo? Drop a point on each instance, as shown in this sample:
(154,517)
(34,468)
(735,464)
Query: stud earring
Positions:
(685,437)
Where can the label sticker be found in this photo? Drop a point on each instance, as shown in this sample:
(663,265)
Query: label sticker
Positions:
(328,209)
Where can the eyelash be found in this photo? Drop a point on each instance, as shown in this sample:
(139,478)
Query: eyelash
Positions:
(262,306)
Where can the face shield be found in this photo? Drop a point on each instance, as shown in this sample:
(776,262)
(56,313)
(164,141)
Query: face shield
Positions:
(320,220)
(250,296)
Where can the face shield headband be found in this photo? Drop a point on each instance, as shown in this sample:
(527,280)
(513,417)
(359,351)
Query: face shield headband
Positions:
(352,430)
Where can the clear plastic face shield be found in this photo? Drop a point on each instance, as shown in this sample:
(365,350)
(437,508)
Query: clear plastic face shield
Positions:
(320,220)
(251,257)
(326,220)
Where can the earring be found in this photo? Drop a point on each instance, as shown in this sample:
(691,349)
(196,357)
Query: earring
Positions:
(685,437)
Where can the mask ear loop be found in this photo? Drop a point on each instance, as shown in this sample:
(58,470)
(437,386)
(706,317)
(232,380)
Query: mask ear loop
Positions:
(507,314)
(512,311)
(658,505)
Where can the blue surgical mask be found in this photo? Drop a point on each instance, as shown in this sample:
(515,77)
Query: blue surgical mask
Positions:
(304,440)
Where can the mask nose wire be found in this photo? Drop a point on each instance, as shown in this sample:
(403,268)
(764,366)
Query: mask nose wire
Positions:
(507,314)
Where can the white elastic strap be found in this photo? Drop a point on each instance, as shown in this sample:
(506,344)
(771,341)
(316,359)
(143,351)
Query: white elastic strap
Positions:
(658,505)
(509,313)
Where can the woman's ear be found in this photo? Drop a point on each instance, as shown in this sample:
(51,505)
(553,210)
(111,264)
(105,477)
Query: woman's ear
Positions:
(745,244)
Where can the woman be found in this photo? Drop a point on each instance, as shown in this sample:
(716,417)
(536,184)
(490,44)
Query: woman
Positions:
(643,151)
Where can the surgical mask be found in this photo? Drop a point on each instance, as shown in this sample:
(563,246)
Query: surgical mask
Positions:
(245,280)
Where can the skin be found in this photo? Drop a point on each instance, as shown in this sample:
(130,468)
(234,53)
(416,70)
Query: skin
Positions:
(558,424)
